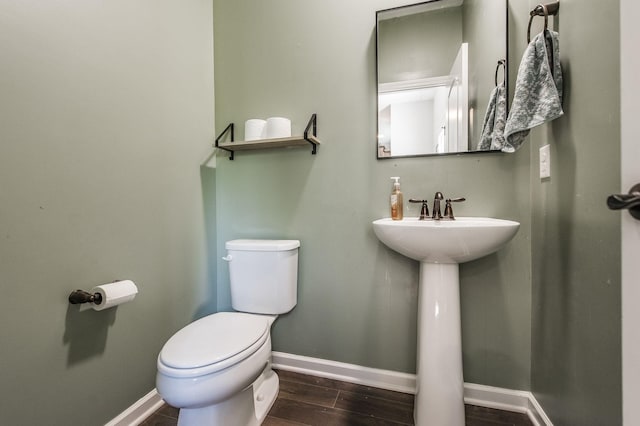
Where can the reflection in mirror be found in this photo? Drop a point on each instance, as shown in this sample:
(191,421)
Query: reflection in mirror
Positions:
(436,64)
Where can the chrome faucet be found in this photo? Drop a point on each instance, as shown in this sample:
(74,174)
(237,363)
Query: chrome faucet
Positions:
(437,215)
(448,210)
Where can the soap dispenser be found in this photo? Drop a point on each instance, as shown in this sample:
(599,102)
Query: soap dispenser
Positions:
(395,200)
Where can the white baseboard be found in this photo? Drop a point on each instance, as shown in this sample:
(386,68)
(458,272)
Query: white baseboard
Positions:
(139,411)
(384,379)
(508,400)
(481,395)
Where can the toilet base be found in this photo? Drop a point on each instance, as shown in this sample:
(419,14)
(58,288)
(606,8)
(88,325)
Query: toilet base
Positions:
(247,408)
(265,392)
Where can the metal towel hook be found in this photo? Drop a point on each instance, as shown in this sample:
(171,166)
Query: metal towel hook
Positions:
(542,10)
(502,63)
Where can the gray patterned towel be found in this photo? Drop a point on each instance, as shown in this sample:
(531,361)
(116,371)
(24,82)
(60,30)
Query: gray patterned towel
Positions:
(492,137)
(538,94)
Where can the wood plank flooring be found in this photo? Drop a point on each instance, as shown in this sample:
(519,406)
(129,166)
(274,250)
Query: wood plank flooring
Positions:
(314,401)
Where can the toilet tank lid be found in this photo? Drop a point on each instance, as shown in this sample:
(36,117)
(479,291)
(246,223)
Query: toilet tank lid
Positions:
(262,245)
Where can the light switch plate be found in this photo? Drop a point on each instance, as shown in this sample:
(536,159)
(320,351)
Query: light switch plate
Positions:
(545,162)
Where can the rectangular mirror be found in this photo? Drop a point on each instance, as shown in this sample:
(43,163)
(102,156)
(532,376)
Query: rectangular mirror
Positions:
(438,63)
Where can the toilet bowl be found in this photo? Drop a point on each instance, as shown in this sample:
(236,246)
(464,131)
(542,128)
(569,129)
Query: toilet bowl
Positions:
(217,370)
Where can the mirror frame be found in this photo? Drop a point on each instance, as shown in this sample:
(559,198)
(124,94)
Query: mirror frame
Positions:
(505,70)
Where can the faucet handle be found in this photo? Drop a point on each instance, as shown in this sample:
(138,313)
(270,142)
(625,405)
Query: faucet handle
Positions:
(424,211)
(448,210)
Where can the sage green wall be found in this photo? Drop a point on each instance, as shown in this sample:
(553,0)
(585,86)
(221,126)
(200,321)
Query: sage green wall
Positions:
(357,299)
(576,358)
(105,115)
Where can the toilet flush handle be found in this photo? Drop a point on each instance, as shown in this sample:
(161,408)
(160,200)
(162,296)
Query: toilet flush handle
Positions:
(227,258)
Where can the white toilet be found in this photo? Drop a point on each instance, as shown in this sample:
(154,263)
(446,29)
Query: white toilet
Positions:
(217,370)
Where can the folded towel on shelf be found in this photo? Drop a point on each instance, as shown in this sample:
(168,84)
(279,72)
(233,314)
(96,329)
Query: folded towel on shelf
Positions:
(538,93)
(492,137)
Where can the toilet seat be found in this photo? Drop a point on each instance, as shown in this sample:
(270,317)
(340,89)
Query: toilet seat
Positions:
(213,343)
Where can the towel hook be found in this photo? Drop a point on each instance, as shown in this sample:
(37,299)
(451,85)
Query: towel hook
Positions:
(504,72)
(542,10)
(533,13)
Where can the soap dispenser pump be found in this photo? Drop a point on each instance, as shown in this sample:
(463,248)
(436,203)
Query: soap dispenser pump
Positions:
(395,200)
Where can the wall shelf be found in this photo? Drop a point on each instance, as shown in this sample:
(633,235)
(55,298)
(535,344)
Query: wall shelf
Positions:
(308,138)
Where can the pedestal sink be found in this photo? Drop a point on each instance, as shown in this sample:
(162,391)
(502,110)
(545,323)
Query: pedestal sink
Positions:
(439,246)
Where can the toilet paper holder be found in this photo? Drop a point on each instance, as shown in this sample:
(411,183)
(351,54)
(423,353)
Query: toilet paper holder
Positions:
(80,296)
(105,296)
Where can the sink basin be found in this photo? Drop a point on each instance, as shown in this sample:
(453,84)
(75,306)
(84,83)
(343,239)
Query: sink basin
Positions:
(440,246)
(445,241)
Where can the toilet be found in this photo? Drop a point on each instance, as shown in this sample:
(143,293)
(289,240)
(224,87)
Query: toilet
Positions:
(217,370)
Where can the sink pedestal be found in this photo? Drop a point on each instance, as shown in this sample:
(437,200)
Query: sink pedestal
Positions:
(439,398)
(440,246)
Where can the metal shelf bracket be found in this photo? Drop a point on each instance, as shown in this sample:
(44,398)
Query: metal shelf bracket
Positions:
(229,128)
(313,124)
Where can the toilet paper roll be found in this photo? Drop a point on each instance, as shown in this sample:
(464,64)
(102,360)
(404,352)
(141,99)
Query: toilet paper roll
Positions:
(254,128)
(278,127)
(114,294)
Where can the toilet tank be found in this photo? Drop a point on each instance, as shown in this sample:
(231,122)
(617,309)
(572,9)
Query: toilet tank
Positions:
(263,275)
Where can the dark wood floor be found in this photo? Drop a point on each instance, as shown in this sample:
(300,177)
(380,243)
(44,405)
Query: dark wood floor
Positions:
(314,401)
